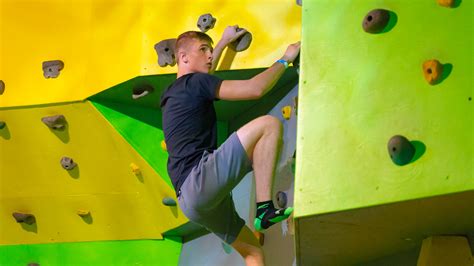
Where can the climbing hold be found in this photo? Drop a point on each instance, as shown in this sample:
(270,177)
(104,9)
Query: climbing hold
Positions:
(167,201)
(2,124)
(296,63)
(55,122)
(295,104)
(242,43)
(2,87)
(260,237)
(67,163)
(299,2)
(281,199)
(165,51)
(163,145)
(142,91)
(446,3)
(206,22)
(135,169)
(33,264)
(432,70)
(286,112)
(83,213)
(376,20)
(51,69)
(24,218)
(401,150)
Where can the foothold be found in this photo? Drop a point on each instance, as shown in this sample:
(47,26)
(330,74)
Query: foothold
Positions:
(2,124)
(401,150)
(51,69)
(260,237)
(242,43)
(299,2)
(33,264)
(142,91)
(135,169)
(24,218)
(282,199)
(432,70)
(67,163)
(206,22)
(57,122)
(83,213)
(167,201)
(286,112)
(163,145)
(376,20)
(446,3)
(2,87)
(165,50)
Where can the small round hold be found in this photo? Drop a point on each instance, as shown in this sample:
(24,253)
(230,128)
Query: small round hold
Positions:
(401,150)
(376,20)
(281,199)
(67,163)
(2,87)
(242,43)
(167,201)
(432,71)
(446,3)
(2,124)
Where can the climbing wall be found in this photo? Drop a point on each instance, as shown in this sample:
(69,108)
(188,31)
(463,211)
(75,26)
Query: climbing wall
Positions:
(360,87)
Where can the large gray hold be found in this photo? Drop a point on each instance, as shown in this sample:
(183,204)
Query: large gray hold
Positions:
(67,163)
(165,50)
(242,43)
(206,22)
(2,87)
(57,122)
(51,69)
(24,218)
(376,21)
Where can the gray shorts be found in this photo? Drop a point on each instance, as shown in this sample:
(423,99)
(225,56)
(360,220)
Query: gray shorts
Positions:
(205,196)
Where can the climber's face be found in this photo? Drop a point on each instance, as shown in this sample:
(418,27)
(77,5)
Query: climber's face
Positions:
(196,56)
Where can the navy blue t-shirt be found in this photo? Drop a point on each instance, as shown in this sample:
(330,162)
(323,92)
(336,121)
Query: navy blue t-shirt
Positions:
(189,122)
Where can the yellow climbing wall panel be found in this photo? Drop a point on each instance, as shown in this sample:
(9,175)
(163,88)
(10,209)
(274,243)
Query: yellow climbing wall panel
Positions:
(122,204)
(103,43)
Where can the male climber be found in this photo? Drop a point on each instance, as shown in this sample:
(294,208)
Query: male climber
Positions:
(204,175)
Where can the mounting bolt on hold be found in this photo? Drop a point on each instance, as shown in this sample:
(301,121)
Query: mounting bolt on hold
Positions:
(167,201)
(432,70)
(57,122)
(2,87)
(446,3)
(52,68)
(24,218)
(242,43)
(142,91)
(401,150)
(165,51)
(206,22)
(67,163)
(376,21)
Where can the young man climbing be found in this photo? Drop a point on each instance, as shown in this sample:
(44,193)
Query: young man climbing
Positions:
(204,175)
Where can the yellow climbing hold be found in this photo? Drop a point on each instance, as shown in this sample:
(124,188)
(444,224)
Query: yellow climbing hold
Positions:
(286,112)
(83,213)
(135,169)
(163,145)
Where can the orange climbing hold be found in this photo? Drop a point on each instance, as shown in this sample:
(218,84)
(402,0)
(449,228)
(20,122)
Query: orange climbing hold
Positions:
(135,169)
(286,112)
(446,3)
(432,70)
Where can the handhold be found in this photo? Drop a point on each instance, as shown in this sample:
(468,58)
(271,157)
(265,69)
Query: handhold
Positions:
(242,43)
(163,145)
(83,213)
(299,2)
(67,163)
(376,20)
(401,150)
(55,122)
(52,68)
(260,237)
(432,70)
(2,87)
(206,22)
(33,264)
(165,50)
(142,91)
(281,199)
(135,169)
(446,3)
(2,124)
(167,201)
(24,218)
(286,112)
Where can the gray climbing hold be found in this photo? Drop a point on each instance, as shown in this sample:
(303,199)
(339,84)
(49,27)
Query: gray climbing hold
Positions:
(2,124)
(67,163)
(24,218)
(165,50)
(206,22)
(376,20)
(167,201)
(299,2)
(33,264)
(2,87)
(242,43)
(57,122)
(401,150)
(142,91)
(282,199)
(52,68)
